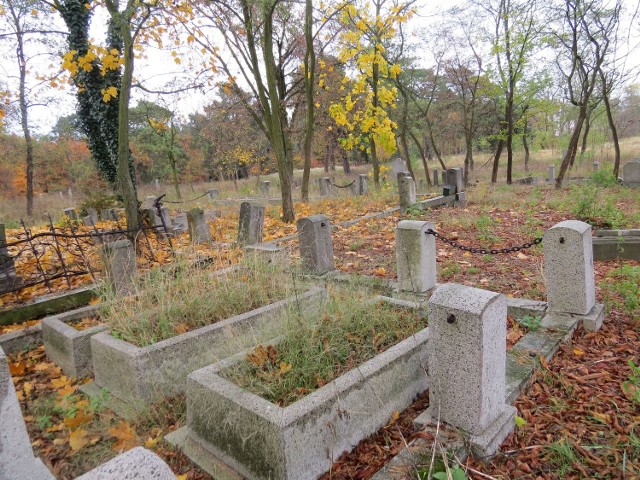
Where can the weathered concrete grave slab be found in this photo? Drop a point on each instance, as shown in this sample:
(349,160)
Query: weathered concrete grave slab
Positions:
(631,173)
(231,427)
(137,375)
(613,244)
(135,464)
(17,460)
(67,346)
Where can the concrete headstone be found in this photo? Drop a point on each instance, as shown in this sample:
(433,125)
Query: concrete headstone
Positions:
(631,173)
(119,266)
(250,224)
(71,213)
(398,166)
(316,245)
(436,175)
(467,363)
(264,188)
(552,173)
(199,230)
(568,267)
(406,191)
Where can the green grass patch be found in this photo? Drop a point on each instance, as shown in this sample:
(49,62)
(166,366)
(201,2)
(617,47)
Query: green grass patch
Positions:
(345,332)
(172,301)
(622,289)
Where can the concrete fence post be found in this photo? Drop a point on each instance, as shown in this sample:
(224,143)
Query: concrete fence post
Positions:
(436,176)
(326,189)
(316,245)
(568,267)
(251,223)
(552,173)
(119,265)
(415,256)
(362,184)
(467,364)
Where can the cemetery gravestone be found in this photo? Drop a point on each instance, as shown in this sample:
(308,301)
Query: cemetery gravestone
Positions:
(71,214)
(406,190)
(631,173)
(552,173)
(398,166)
(251,223)
(326,189)
(264,188)
(316,245)
(415,256)
(199,231)
(119,265)
(436,175)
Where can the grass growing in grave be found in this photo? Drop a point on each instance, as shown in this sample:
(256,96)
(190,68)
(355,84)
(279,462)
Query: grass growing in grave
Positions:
(174,300)
(622,290)
(347,331)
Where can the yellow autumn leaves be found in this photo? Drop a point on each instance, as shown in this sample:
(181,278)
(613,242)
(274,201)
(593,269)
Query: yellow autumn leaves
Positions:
(96,57)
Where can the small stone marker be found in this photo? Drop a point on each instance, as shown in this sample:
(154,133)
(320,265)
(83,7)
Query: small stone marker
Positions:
(8,278)
(326,189)
(180,223)
(407,191)
(596,166)
(152,215)
(568,267)
(71,214)
(362,184)
(70,192)
(199,231)
(264,188)
(467,364)
(213,194)
(415,256)
(552,173)
(17,460)
(137,463)
(166,217)
(436,175)
(107,214)
(316,245)
(251,223)
(119,265)
(211,215)
(631,173)
(157,184)
(421,185)
(93,213)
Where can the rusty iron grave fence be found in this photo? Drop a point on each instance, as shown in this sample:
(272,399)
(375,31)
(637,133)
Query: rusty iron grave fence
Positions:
(66,257)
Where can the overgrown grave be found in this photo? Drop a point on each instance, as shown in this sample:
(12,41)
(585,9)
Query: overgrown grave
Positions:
(184,318)
(289,408)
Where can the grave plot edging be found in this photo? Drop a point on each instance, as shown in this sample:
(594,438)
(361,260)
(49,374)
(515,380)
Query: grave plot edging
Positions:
(261,440)
(68,347)
(138,375)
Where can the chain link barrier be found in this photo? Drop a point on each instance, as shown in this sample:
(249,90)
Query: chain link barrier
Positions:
(342,186)
(484,251)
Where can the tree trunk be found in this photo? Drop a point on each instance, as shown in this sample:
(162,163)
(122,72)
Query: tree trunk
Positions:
(124,173)
(434,147)
(612,126)
(496,161)
(572,149)
(422,156)
(346,168)
(404,148)
(468,158)
(327,157)
(309,70)
(24,119)
(585,135)
(510,136)
(525,144)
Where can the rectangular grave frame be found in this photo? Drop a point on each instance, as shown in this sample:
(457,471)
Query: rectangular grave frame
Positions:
(136,376)
(302,440)
(68,347)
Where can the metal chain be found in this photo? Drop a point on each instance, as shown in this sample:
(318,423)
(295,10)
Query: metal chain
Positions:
(484,251)
(342,186)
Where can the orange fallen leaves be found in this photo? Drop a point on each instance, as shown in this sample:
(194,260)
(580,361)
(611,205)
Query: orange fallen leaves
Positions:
(125,435)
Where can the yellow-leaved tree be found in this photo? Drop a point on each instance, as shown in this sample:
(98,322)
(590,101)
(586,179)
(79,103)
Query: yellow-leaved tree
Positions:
(363,110)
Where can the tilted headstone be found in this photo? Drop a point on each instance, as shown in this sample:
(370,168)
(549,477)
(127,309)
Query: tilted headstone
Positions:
(568,267)
(467,364)
(316,245)
(17,460)
(135,464)
(213,194)
(8,278)
(324,184)
(119,266)
(70,213)
(166,217)
(552,173)
(631,173)
(251,223)
(436,175)
(406,191)
(87,221)
(264,188)
(149,201)
(199,230)
(152,215)
(415,256)
(180,223)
